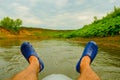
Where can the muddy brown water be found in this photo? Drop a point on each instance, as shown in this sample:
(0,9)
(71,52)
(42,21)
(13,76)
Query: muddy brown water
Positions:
(59,57)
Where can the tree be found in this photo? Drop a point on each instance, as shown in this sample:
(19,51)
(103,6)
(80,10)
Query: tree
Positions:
(95,18)
(17,23)
(11,24)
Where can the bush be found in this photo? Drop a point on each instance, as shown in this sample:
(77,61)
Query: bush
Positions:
(11,24)
(107,26)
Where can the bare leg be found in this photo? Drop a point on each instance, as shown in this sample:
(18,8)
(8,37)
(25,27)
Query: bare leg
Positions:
(86,72)
(31,72)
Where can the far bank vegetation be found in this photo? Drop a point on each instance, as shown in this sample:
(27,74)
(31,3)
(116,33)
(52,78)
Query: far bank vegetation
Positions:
(11,24)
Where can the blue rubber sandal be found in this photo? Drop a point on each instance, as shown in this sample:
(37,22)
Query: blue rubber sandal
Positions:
(27,51)
(90,50)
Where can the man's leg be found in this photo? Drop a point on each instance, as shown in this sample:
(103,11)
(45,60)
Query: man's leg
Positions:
(31,72)
(83,65)
(35,64)
(86,71)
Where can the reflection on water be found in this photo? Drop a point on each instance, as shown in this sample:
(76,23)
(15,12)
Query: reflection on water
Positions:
(59,57)
(6,43)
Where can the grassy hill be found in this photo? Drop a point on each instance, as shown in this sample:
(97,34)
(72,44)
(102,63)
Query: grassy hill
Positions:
(107,26)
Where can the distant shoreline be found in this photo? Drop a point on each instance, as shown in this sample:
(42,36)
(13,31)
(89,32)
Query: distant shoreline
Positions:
(29,33)
(39,34)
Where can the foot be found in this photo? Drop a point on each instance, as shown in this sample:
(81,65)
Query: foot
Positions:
(28,51)
(85,62)
(90,50)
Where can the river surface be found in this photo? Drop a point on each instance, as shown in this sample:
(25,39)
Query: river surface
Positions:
(59,57)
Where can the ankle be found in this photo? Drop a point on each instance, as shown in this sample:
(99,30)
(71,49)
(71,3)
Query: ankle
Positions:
(34,61)
(85,62)
(34,64)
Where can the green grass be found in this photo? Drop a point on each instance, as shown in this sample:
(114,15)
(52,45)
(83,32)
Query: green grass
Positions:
(107,26)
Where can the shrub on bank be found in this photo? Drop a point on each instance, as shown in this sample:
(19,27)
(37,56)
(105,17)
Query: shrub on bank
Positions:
(107,26)
(11,24)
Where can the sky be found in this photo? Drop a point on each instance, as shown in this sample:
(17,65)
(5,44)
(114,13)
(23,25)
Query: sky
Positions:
(56,14)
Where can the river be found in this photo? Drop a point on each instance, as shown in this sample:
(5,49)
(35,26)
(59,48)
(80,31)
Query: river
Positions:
(59,57)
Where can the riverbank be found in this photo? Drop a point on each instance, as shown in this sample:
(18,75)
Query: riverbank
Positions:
(110,43)
(30,33)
